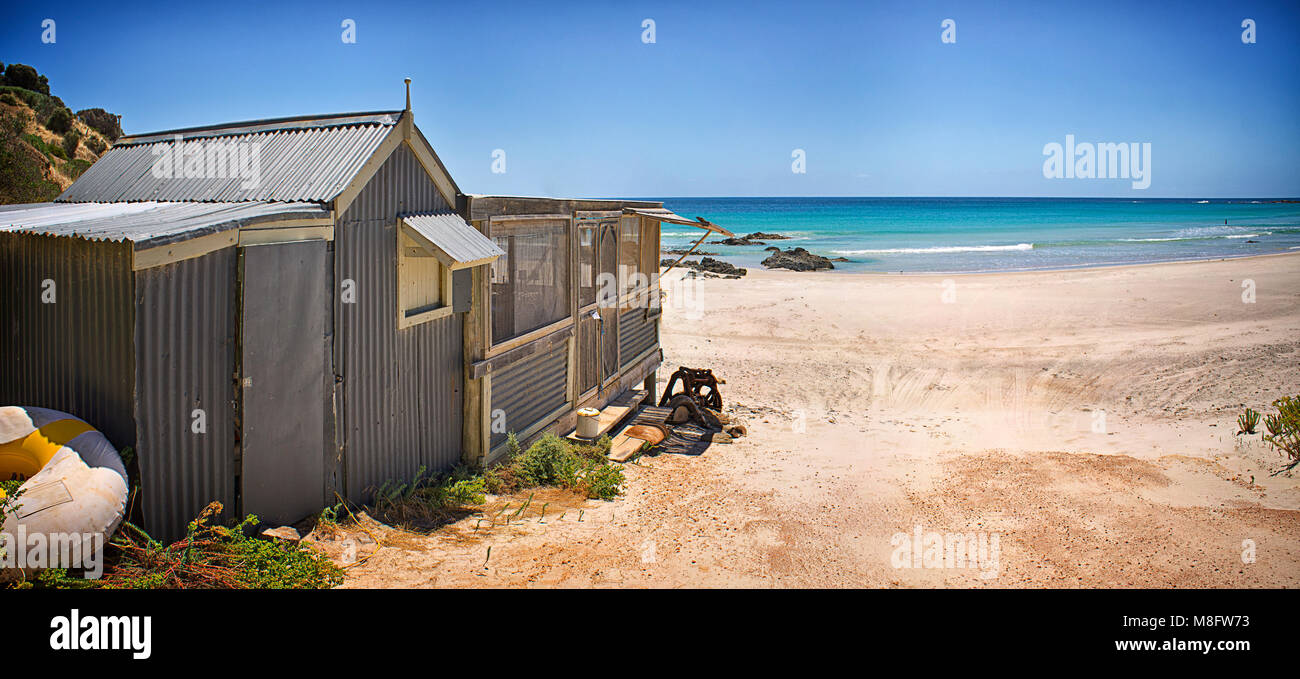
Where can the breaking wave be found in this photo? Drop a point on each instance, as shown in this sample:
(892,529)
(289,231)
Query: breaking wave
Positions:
(938,249)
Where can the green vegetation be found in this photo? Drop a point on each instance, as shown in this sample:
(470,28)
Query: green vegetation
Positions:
(25,77)
(25,173)
(8,498)
(553,461)
(208,557)
(1247,421)
(427,501)
(71,141)
(1283,429)
(32,100)
(73,168)
(22,167)
(102,122)
(431,501)
(60,121)
(51,151)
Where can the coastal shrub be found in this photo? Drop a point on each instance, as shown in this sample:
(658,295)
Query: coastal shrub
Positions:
(1284,429)
(429,500)
(102,121)
(22,166)
(36,142)
(217,557)
(32,99)
(9,497)
(60,121)
(9,99)
(1247,421)
(603,482)
(71,140)
(556,462)
(26,77)
(208,557)
(13,124)
(96,145)
(50,151)
(548,462)
(75,167)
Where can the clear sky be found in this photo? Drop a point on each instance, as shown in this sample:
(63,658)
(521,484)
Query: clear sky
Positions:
(718,103)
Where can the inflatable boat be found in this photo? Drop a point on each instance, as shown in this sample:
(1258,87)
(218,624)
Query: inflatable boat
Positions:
(74,482)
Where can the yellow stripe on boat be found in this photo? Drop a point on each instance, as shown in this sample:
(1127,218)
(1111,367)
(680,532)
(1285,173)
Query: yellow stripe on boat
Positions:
(28,455)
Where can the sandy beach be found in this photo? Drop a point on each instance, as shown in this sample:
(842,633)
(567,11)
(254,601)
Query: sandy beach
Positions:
(1085,417)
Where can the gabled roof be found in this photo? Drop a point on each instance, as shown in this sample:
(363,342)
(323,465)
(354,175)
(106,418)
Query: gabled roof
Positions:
(295,159)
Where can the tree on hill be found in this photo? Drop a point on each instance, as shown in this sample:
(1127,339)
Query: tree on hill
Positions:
(102,121)
(26,77)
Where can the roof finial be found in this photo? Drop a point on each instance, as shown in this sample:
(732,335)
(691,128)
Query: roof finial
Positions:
(408,94)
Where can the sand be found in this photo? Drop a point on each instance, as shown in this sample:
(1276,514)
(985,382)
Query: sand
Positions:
(1082,419)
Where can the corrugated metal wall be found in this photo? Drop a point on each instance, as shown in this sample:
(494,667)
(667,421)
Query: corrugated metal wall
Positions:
(185,336)
(399,405)
(636,334)
(74,354)
(529,390)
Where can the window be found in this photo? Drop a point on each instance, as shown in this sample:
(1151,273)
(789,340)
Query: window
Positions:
(530,283)
(650,250)
(629,255)
(422,292)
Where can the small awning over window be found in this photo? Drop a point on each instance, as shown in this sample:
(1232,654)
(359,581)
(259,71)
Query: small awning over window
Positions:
(666,215)
(452,240)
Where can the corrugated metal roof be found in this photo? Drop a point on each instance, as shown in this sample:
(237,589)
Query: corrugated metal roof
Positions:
(147,224)
(297,159)
(461,243)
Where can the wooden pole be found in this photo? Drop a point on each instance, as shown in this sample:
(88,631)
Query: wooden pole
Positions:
(688,252)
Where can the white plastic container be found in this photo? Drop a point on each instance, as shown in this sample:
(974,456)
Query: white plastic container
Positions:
(588,422)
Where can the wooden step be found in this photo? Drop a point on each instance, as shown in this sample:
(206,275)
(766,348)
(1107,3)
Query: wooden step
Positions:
(613,413)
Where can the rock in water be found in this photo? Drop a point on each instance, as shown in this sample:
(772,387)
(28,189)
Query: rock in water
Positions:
(797,259)
(759,235)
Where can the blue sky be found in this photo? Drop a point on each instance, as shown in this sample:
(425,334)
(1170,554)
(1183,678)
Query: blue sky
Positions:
(716,105)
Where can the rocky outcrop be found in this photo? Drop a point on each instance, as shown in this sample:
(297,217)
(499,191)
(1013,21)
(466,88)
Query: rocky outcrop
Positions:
(756,238)
(796,259)
(708,265)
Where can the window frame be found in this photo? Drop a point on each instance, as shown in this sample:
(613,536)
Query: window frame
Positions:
(492,348)
(634,297)
(444,309)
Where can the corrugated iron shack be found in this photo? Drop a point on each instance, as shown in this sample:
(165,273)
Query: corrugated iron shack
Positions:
(273,312)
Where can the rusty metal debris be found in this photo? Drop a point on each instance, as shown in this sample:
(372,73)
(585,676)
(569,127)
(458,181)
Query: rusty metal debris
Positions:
(699,384)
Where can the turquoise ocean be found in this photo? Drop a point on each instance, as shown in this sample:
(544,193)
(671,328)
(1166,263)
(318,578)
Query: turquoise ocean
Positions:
(994,234)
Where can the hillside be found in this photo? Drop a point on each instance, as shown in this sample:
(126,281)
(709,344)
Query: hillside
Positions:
(44,146)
